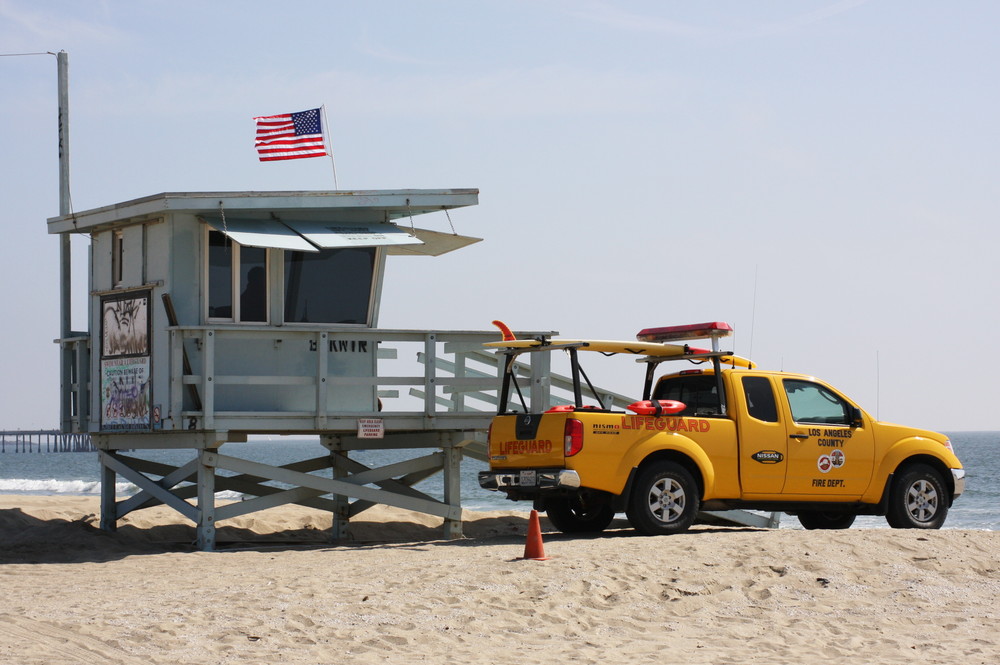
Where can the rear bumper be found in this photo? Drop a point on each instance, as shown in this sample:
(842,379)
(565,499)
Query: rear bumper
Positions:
(544,479)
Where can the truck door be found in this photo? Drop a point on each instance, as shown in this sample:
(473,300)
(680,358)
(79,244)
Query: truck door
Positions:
(763,439)
(827,456)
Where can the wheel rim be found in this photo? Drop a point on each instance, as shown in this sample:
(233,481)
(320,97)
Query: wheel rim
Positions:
(922,501)
(582,510)
(666,500)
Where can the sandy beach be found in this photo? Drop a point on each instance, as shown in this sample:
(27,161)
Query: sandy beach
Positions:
(278,591)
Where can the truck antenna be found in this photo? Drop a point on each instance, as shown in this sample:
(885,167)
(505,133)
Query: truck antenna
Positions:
(878,385)
(753,312)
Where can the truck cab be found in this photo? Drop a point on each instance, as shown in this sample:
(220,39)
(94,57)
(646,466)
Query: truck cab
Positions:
(722,435)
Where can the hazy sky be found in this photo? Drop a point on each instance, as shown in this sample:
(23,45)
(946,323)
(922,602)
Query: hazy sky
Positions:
(822,175)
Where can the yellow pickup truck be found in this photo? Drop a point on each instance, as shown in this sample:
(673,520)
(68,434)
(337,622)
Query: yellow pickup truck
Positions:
(724,435)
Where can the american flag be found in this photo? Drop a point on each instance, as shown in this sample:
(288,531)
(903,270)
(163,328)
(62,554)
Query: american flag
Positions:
(290,136)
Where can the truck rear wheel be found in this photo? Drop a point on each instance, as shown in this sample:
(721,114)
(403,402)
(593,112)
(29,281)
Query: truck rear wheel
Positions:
(820,520)
(918,499)
(580,513)
(664,500)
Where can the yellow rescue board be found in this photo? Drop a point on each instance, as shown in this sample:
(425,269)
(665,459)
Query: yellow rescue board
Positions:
(651,349)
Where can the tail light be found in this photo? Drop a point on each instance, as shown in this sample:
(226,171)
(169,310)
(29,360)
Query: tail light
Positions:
(572,437)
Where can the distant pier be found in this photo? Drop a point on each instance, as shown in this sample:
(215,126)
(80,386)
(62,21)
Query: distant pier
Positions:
(36,441)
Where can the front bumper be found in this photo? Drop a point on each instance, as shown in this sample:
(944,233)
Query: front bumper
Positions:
(529,479)
(959,476)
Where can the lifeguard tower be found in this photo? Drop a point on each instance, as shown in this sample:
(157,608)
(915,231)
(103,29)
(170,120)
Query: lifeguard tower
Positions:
(214,316)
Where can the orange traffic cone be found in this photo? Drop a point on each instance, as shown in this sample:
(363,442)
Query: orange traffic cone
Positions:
(533,548)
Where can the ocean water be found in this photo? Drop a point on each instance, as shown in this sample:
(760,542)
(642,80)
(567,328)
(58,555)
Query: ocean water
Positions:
(51,473)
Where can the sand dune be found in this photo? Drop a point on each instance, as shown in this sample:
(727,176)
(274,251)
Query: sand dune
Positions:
(277,591)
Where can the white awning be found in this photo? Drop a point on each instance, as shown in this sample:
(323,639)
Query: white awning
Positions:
(328,235)
(261,233)
(435,243)
(311,236)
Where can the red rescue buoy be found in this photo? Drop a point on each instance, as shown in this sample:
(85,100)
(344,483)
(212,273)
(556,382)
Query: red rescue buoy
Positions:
(648,407)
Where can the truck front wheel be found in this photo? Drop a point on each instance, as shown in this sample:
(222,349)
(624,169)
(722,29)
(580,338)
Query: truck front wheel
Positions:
(664,500)
(580,513)
(918,499)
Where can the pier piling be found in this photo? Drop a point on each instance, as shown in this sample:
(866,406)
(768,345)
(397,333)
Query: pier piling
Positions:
(27,441)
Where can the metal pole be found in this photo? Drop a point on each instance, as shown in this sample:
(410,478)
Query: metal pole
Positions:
(62,62)
(328,144)
(66,299)
(575,365)
(719,387)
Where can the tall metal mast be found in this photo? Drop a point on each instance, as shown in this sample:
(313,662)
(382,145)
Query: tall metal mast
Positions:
(65,299)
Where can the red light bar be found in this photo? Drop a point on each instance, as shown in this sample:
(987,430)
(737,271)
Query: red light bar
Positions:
(713,330)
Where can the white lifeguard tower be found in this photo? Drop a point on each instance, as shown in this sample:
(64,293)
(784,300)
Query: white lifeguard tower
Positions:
(214,316)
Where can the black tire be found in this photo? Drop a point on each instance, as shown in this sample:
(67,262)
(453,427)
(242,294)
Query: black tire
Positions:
(665,500)
(918,499)
(825,520)
(580,513)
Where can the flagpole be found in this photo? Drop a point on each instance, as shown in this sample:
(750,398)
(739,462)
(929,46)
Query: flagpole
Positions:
(329,146)
(65,250)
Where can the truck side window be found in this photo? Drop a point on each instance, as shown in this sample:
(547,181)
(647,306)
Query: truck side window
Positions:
(812,403)
(760,398)
(697,391)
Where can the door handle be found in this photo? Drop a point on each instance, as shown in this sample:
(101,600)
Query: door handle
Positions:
(798,436)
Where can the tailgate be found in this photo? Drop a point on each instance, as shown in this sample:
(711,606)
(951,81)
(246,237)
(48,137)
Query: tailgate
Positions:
(527,441)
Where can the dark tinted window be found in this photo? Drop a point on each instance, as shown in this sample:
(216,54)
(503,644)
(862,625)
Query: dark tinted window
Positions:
(331,286)
(698,392)
(760,398)
(253,284)
(220,276)
(229,262)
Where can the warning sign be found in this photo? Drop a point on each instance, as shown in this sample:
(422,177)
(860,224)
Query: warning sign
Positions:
(371,428)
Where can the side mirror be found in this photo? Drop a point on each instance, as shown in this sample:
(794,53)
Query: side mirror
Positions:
(857,419)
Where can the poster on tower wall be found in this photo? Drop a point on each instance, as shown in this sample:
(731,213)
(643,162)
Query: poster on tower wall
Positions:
(125,362)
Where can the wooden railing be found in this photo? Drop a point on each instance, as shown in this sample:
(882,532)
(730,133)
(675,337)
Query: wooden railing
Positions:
(452,381)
